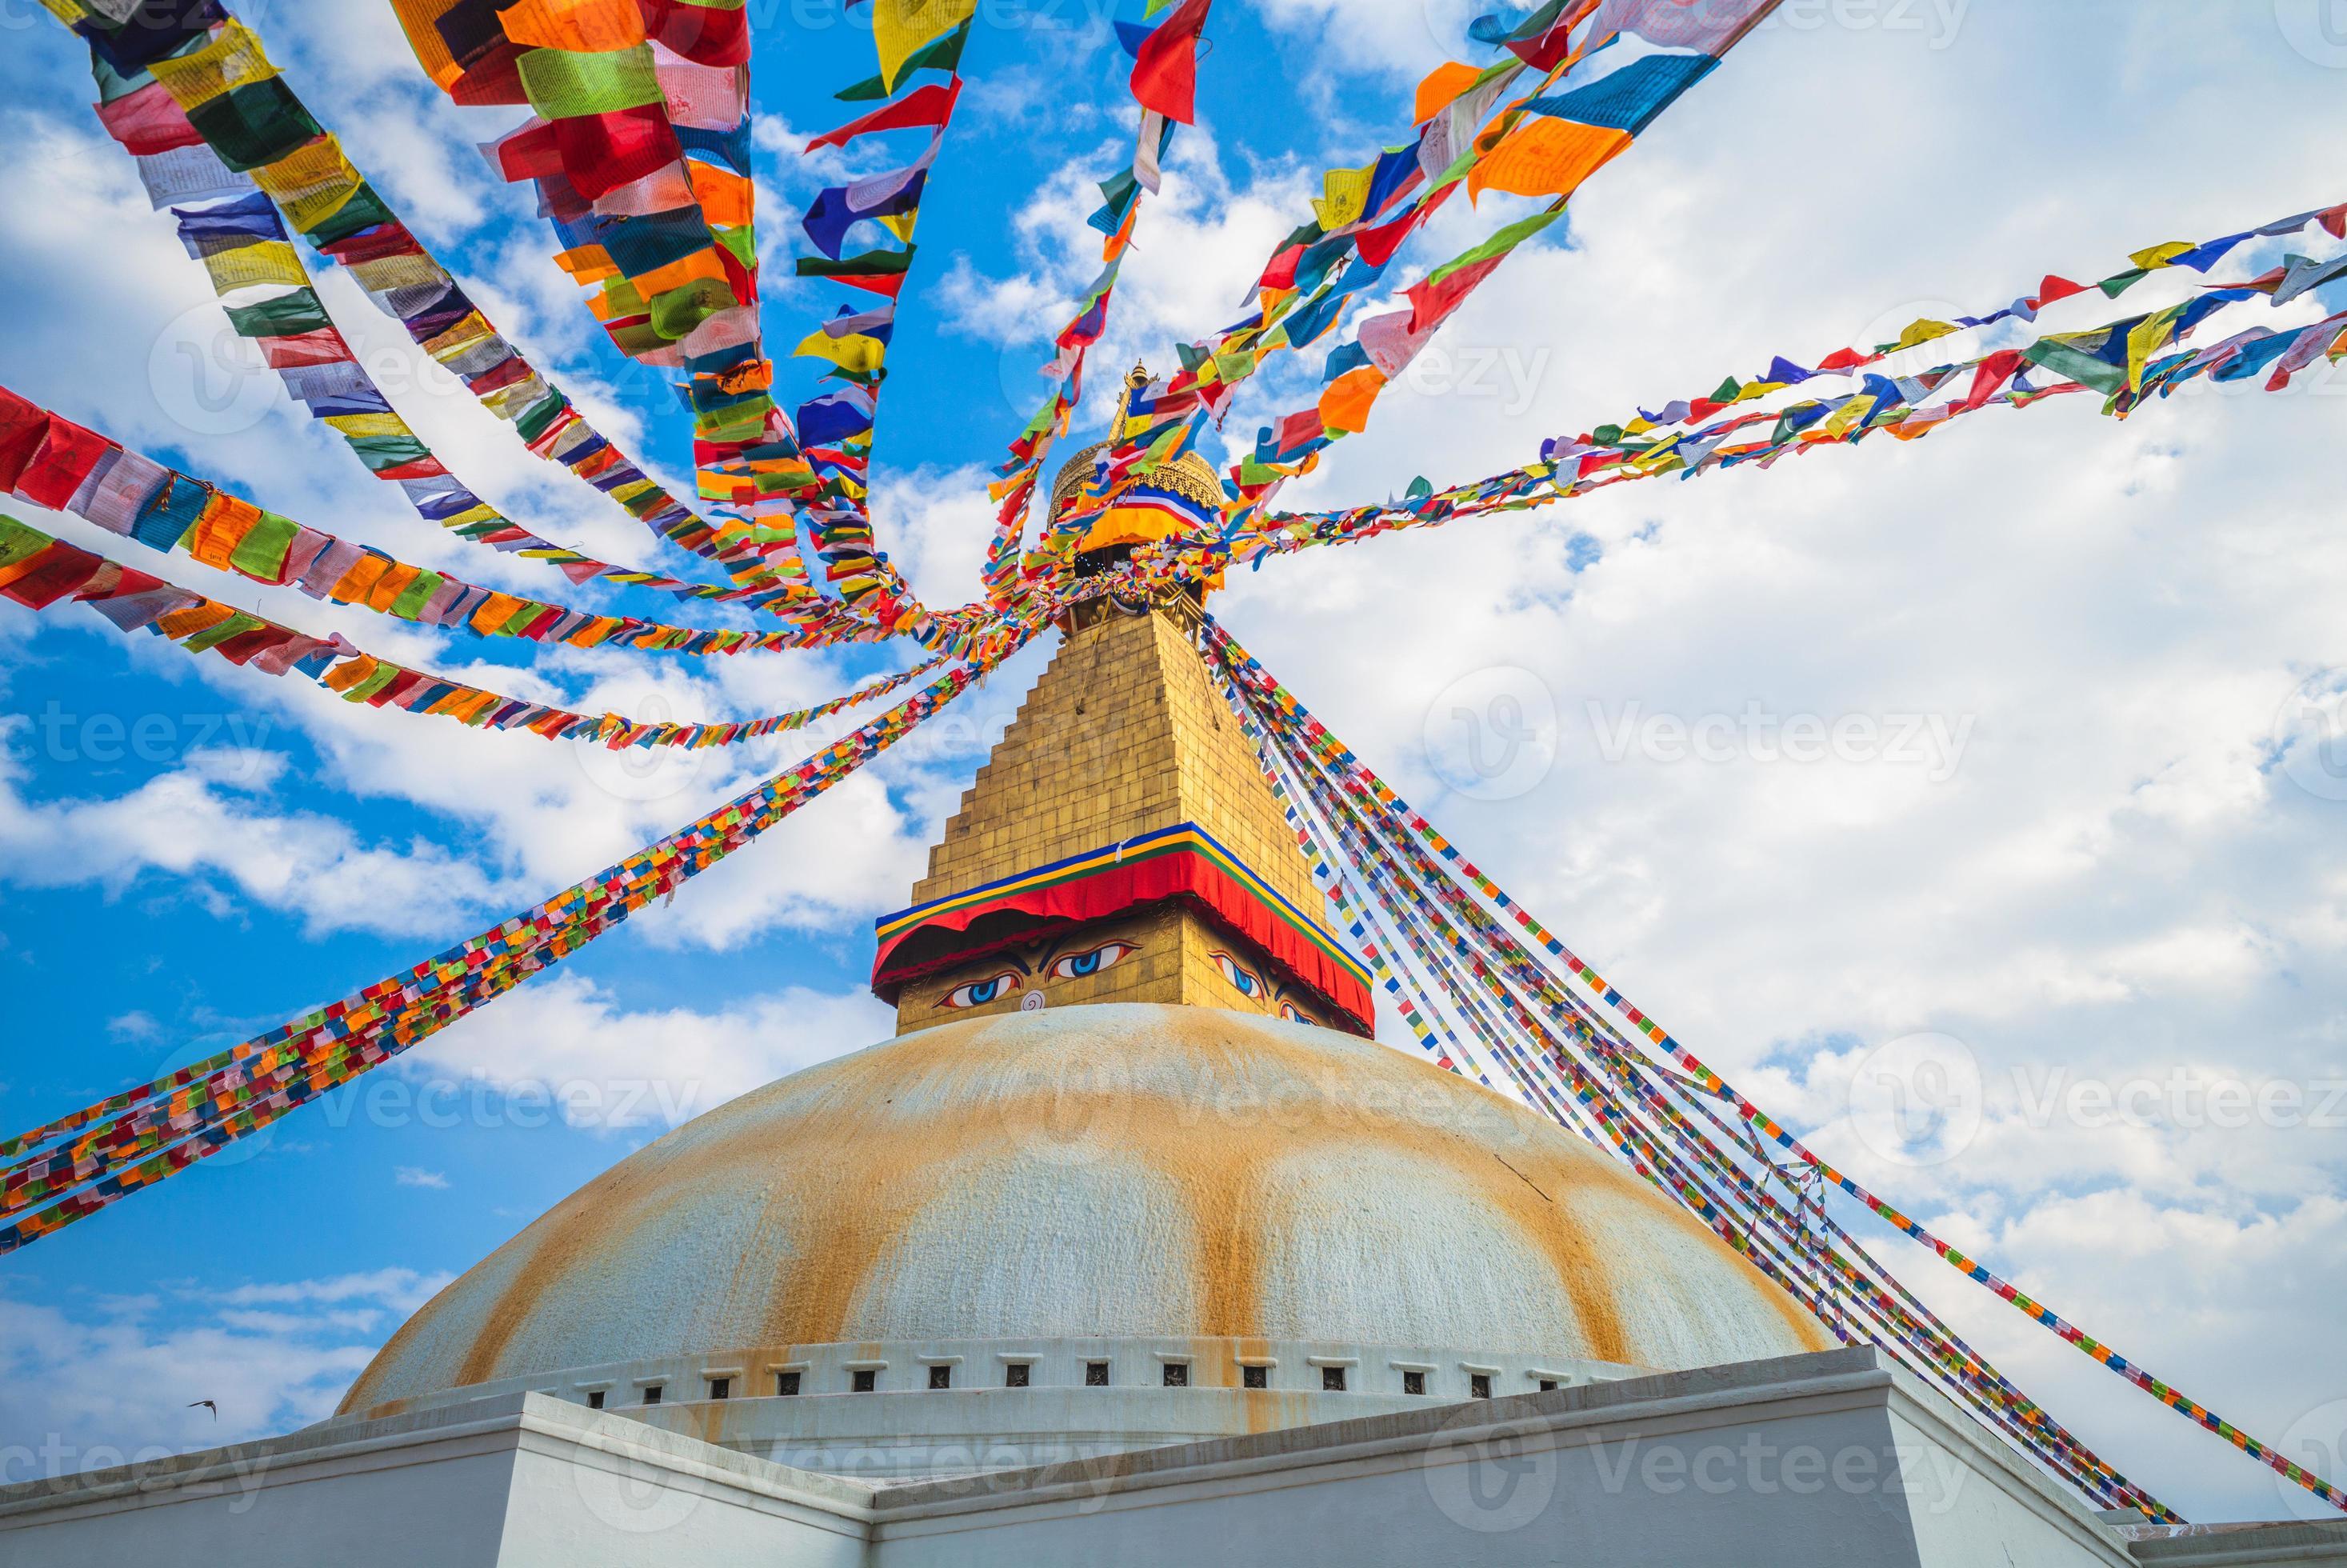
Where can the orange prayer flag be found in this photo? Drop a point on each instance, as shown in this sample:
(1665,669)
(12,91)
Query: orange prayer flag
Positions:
(726,197)
(584,26)
(1545,157)
(353,589)
(1442,84)
(394,582)
(220,529)
(1345,402)
(420,19)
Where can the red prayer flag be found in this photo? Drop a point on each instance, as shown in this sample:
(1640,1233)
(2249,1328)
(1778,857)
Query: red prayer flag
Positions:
(63,462)
(601,153)
(1165,73)
(22,427)
(41,581)
(929,106)
(1432,302)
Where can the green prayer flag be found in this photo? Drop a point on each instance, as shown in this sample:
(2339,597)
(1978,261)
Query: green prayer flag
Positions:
(213,636)
(17,542)
(565,84)
(412,599)
(262,552)
(255,125)
(287,316)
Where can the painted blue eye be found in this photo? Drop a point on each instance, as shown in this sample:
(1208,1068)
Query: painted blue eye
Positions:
(1244,979)
(1075,966)
(977,993)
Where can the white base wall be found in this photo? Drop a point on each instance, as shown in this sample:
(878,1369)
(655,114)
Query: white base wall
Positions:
(1830,1460)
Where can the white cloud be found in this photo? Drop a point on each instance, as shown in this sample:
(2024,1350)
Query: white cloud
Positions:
(569,1043)
(116,1381)
(205,823)
(417,1176)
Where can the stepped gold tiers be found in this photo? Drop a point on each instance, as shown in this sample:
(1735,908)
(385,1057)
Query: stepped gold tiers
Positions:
(1130,1187)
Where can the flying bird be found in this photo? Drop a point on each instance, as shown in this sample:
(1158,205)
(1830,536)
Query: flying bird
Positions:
(207,1404)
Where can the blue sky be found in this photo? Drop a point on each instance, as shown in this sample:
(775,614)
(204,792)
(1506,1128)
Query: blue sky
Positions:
(2115,868)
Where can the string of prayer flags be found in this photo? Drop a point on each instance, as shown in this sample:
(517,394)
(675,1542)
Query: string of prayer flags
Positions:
(37,571)
(190,1114)
(2121,360)
(639,147)
(837,426)
(49,460)
(279,309)
(1494,959)
(1608,72)
(1163,86)
(1848,361)
(319,192)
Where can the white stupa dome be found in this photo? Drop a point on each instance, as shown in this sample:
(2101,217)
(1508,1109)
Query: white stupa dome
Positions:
(1121,1186)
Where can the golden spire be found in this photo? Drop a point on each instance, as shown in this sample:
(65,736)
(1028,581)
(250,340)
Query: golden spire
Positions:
(1123,764)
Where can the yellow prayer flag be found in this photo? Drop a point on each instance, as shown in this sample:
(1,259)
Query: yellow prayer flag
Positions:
(2149,336)
(851,351)
(1922,331)
(407,271)
(365,425)
(231,59)
(902,28)
(253,266)
(1347,195)
(2160,256)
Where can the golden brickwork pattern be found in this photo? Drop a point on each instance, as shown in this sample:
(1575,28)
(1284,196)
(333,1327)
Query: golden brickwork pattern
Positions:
(1123,735)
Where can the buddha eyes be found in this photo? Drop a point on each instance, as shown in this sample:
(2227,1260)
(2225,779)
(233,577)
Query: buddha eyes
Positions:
(1293,1014)
(1245,980)
(977,993)
(1074,966)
